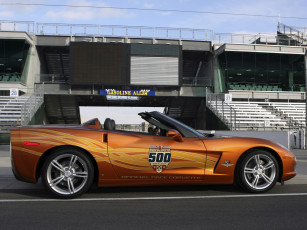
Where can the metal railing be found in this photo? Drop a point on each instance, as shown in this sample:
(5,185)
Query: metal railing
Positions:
(268,95)
(217,101)
(201,81)
(260,38)
(26,26)
(130,127)
(123,31)
(30,107)
(295,33)
(93,30)
(51,78)
(299,31)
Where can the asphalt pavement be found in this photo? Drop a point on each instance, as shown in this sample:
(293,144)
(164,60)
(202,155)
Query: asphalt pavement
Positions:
(29,206)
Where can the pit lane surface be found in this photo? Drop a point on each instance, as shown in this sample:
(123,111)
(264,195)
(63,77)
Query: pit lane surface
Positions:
(27,206)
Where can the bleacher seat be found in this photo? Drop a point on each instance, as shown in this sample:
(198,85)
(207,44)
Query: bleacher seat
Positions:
(10,111)
(255,87)
(6,77)
(261,115)
(13,78)
(293,111)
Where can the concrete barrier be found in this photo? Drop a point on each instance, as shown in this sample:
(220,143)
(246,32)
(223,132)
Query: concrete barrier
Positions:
(289,139)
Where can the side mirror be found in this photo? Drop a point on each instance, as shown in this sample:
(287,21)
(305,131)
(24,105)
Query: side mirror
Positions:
(93,123)
(175,135)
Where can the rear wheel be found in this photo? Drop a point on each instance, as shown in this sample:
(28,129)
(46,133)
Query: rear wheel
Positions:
(258,171)
(67,173)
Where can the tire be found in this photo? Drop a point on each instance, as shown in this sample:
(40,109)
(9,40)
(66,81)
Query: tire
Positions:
(258,171)
(67,173)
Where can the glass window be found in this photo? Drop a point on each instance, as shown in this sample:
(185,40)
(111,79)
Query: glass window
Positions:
(262,71)
(13,54)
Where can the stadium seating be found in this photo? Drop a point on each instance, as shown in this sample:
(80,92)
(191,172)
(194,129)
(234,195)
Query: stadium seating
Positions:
(294,112)
(243,115)
(254,87)
(5,77)
(10,77)
(10,111)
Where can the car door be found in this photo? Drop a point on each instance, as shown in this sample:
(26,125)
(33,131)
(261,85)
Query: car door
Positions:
(143,156)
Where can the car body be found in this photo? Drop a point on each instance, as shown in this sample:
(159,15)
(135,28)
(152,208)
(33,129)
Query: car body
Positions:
(69,159)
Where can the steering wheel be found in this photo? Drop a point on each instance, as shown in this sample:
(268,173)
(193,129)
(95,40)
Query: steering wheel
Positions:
(156,131)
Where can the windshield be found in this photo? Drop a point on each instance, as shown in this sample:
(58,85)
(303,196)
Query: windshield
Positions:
(165,123)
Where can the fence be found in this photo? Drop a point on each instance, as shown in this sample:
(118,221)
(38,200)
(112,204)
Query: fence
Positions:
(216,102)
(92,30)
(25,26)
(30,107)
(260,38)
(51,78)
(130,127)
(123,31)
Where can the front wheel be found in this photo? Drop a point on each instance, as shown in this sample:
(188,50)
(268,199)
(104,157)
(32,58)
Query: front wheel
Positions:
(258,171)
(67,173)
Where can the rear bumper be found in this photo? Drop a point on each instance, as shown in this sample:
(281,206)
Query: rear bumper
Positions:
(18,176)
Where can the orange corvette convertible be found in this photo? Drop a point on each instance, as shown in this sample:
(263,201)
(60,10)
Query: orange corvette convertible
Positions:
(69,159)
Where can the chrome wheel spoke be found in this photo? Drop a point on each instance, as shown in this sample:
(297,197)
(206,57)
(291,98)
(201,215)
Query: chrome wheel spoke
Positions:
(266,178)
(249,170)
(73,161)
(57,165)
(269,165)
(257,160)
(80,174)
(70,186)
(56,180)
(255,181)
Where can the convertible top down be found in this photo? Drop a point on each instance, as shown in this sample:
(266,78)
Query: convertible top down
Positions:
(69,159)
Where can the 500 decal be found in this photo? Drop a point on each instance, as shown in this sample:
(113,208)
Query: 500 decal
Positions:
(159,157)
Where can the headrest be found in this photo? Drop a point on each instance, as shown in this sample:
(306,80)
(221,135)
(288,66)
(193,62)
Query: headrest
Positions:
(108,124)
(113,124)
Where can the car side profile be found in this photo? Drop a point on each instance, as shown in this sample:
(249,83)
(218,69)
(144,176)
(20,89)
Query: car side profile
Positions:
(69,159)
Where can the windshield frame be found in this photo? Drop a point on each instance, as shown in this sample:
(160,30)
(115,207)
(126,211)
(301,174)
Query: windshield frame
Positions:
(171,123)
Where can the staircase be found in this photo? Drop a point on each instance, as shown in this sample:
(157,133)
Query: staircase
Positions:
(184,109)
(190,71)
(289,35)
(62,109)
(294,114)
(244,115)
(58,63)
(19,110)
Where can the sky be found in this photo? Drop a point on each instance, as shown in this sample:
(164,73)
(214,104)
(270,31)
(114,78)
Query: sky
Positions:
(121,15)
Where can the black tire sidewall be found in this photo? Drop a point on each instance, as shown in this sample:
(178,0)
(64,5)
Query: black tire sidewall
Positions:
(78,153)
(241,179)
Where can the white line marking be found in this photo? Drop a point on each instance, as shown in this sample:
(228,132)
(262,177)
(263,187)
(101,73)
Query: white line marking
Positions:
(301,160)
(152,198)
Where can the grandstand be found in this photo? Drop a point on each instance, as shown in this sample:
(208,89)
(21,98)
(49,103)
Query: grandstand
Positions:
(19,110)
(10,77)
(242,115)
(188,71)
(10,111)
